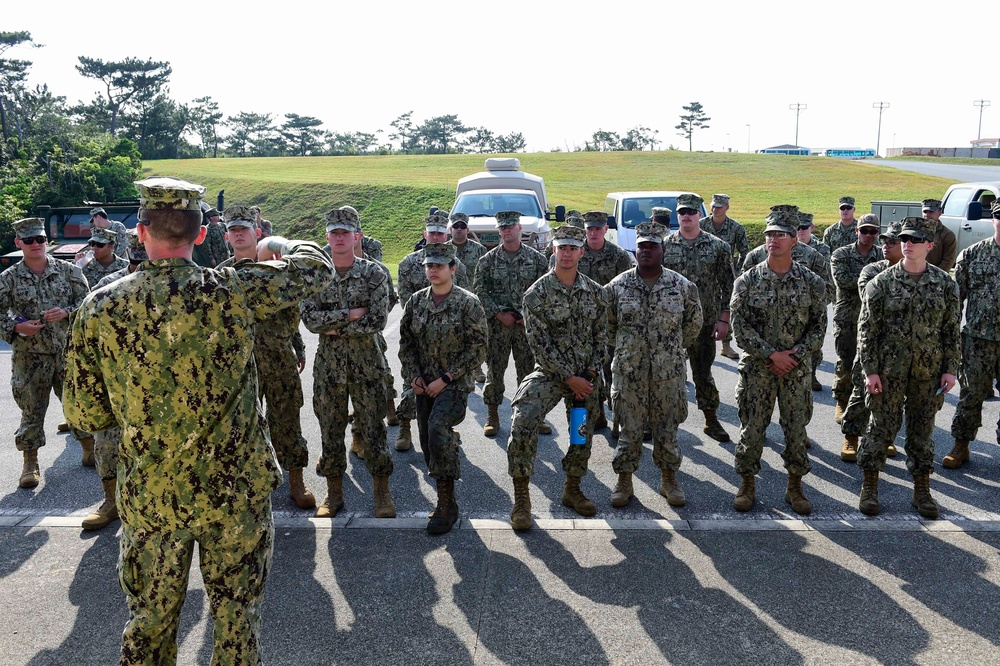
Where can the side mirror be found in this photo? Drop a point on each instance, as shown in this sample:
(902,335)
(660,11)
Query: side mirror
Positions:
(560,213)
(975,211)
(612,223)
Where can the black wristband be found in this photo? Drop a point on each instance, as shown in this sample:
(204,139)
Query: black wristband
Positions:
(445,378)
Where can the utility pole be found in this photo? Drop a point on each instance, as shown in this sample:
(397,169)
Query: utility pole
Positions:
(748,138)
(881,106)
(797,108)
(980,103)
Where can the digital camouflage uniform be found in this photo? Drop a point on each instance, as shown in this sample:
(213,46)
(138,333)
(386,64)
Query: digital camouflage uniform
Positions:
(117,229)
(215,244)
(776,313)
(566,330)
(908,335)
(846,265)
(837,235)
(469,254)
(735,235)
(501,281)
(709,264)
(978,276)
(93,270)
(371,248)
(38,363)
(434,339)
(650,329)
(167,353)
(350,363)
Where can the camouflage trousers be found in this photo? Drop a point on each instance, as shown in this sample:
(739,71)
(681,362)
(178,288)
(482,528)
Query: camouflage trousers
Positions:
(501,343)
(979,370)
(106,445)
(756,392)
(33,378)
(663,405)
(330,393)
(845,341)
(535,398)
(435,419)
(605,390)
(388,379)
(701,356)
(281,386)
(153,569)
(918,401)
(856,416)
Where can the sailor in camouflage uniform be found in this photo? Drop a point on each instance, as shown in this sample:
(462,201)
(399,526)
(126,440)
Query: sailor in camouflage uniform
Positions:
(719,224)
(38,297)
(945,250)
(503,275)
(215,239)
(806,237)
(654,315)
(279,362)
(200,468)
(566,324)
(411,278)
(708,262)
(99,220)
(469,252)
(845,231)
(348,314)
(105,261)
(909,348)
(846,264)
(442,342)
(978,276)
(779,319)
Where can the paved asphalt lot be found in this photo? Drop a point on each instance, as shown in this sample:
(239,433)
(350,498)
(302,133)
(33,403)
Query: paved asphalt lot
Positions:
(643,584)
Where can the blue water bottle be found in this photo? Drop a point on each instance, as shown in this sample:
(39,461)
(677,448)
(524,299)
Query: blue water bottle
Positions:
(578,423)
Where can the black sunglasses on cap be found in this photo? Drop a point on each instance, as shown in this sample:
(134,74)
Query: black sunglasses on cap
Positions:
(459,225)
(98,244)
(868,231)
(41,240)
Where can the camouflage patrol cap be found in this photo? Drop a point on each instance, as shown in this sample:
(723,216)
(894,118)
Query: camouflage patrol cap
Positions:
(212,212)
(649,232)
(97,211)
(506,218)
(689,200)
(893,231)
(345,218)
(239,216)
(352,209)
(870,220)
(436,222)
(568,235)
(166,193)
(106,236)
(805,219)
(575,222)
(29,227)
(595,218)
(720,200)
(785,208)
(439,253)
(918,227)
(846,201)
(661,214)
(782,220)
(574,213)
(136,249)
(458,217)
(931,205)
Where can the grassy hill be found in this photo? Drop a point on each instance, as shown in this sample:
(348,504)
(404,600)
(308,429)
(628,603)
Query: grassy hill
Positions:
(393,192)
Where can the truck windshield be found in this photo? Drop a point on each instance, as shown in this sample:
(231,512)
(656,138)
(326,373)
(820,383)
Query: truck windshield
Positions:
(77,225)
(482,204)
(638,210)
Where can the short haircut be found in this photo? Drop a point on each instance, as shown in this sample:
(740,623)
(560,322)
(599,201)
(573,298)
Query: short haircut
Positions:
(173,227)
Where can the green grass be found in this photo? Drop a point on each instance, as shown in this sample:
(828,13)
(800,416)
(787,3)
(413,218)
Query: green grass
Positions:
(393,192)
(970,161)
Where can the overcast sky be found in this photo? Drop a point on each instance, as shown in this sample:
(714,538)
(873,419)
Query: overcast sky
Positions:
(558,71)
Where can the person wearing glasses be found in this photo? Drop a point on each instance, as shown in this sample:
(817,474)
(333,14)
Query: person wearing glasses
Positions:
(977,274)
(844,232)
(99,220)
(909,349)
(779,319)
(846,264)
(105,261)
(945,243)
(38,297)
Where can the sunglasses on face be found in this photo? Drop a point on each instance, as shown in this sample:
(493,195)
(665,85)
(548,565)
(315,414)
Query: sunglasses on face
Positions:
(34,239)
(911,239)
(97,244)
(459,225)
(868,232)
(687,211)
(804,227)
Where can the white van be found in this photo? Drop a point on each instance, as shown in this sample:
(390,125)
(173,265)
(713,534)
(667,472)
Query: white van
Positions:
(628,209)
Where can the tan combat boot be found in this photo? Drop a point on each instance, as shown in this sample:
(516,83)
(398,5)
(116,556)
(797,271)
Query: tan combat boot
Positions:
(390,413)
(446,513)
(297,490)
(623,491)
(87,457)
(384,508)
(404,441)
(713,428)
(745,495)
(357,443)
(107,512)
(922,500)
(838,415)
(868,504)
(492,421)
(728,351)
(849,449)
(334,501)
(959,454)
(796,497)
(520,515)
(30,473)
(671,489)
(574,498)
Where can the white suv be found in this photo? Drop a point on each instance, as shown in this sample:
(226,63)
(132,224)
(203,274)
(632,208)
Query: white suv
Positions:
(631,208)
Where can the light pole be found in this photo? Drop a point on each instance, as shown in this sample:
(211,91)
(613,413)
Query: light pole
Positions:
(880,106)
(797,108)
(748,138)
(980,103)
(729,143)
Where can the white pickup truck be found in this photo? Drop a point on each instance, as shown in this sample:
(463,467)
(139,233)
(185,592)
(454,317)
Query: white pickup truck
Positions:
(503,186)
(967,211)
